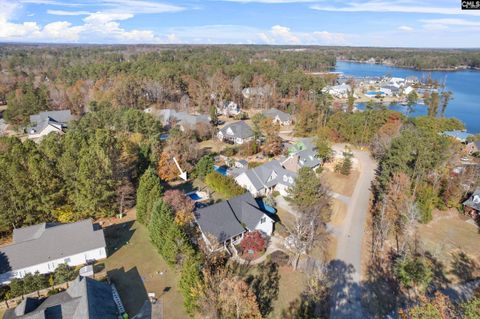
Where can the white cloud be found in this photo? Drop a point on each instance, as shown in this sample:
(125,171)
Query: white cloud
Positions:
(67,13)
(271,1)
(396,6)
(138,6)
(284,34)
(405,28)
(451,22)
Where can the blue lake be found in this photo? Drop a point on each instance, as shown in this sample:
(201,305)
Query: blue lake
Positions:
(465,86)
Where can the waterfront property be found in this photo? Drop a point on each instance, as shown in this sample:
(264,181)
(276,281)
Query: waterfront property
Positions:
(460,136)
(44,246)
(226,222)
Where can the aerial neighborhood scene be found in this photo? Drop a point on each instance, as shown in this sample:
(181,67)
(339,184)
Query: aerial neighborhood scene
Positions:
(239,159)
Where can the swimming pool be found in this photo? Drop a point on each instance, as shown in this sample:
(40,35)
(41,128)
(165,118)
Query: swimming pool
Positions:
(194,196)
(221,169)
(266,207)
(374,93)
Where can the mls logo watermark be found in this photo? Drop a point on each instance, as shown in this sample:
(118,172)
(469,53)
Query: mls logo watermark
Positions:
(471,5)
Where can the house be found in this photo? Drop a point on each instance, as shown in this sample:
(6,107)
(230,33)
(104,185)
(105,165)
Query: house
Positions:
(473,147)
(227,221)
(184,120)
(278,117)
(408,90)
(228,108)
(306,158)
(44,246)
(472,205)
(267,178)
(460,136)
(236,133)
(44,123)
(86,298)
(305,143)
(260,91)
(390,90)
(411,79)
(339,91)
(241,163)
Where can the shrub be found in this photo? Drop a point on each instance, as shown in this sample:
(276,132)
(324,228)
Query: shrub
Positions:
(230,151)
(204,166)
(253,241)
(224,185)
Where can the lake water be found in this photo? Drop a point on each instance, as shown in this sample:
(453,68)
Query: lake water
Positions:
(465,86)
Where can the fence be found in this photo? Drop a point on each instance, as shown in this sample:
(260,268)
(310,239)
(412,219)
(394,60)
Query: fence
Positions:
(12,303)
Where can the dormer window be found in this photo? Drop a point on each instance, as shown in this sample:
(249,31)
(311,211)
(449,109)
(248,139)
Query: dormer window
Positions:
(285,178)
(290,180)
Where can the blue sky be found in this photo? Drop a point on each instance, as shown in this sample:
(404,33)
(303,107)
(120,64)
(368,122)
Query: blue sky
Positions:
(403,23)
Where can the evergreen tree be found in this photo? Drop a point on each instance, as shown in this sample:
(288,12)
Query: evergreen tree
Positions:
(309,195)
(148,192)
(204,166)
(190,282)
(165,234)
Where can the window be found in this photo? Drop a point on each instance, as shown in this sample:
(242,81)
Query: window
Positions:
(67,260)
(263,220)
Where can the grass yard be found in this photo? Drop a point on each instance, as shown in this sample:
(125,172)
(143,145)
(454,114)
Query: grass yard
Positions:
(340,183)
(447,235)
(135,267)
(291,286)
(213,145)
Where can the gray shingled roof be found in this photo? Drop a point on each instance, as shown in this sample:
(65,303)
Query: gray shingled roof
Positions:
(85,299)
(272,113)
(240,129)
(268,175)
(41,120)
(183,118)
(229,218)
(44,242)
(308,158)
(474,200)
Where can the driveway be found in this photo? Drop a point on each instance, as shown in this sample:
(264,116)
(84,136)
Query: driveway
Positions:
(345,294)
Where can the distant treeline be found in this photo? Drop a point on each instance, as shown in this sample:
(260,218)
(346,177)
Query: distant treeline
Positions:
(422,59)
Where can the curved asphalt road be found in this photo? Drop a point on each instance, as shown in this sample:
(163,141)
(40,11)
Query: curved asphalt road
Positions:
(345,270)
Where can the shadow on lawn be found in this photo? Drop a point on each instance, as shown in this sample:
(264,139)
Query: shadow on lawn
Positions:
(130,287)
(118,235)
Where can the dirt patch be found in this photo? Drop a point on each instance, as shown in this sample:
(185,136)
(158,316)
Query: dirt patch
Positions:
(341,184)
(213,145)
(339,211)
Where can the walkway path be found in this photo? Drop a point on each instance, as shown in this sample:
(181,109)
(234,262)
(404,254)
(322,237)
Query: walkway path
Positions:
(345,295)
(276,244)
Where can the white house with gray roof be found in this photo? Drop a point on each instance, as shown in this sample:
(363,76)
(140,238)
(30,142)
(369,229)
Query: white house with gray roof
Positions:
(86,298)
(266,178)
(227,221)
(236,132)
(44,123)
(278,117)
(184,120)
(44,246)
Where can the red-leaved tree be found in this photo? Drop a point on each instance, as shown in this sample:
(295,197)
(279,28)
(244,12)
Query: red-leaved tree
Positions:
(253,241)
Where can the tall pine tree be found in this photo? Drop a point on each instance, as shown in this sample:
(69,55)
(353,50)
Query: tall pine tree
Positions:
(148,192)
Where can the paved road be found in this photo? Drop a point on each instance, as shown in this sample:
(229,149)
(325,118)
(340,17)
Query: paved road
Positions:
(346,268)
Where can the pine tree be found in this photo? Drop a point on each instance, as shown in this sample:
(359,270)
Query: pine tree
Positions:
(190,283)
(148,192)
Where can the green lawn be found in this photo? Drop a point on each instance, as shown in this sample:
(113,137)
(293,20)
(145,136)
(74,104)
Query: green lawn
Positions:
(135,267)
